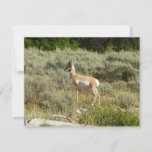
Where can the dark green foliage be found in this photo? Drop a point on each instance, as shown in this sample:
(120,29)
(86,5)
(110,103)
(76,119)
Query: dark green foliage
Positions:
(99,45)
(37,44)
(125,44)
(96,44)
(28,43)
(45,45)
(50,44)
(108,116)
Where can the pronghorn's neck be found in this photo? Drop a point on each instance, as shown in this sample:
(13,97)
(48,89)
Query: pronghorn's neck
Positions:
(72,72)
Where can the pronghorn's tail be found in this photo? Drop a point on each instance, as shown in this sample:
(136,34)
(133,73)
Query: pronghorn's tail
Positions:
(97,82)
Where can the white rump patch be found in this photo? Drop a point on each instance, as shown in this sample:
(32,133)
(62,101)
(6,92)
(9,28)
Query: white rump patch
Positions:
(97,82)
(83,83)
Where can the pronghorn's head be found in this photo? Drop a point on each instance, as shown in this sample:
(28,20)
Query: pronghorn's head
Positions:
(70,66)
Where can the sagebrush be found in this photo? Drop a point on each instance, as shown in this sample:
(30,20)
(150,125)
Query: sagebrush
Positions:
(48,88)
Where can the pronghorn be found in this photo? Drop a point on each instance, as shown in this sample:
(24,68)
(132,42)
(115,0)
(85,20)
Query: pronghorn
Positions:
(83,81)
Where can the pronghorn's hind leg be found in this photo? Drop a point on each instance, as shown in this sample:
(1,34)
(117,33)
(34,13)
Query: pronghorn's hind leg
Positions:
(95,95)
(95,92)
(98,96)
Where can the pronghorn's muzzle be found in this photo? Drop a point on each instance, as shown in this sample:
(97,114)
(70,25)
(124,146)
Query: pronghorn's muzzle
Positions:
(66,68)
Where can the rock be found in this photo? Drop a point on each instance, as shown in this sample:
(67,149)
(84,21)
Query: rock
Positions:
(37,122)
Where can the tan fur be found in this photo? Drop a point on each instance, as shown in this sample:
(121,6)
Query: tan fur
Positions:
(75,77)
(91,80)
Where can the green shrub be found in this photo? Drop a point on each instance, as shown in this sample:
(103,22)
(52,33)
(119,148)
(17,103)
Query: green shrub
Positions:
(108,116)
(131,58)
(134,85)
(29,92)
(33,87)
(119,84)
(106,88)
(120,71)
(126,99)
(116,70)
(62,102)
(102,69)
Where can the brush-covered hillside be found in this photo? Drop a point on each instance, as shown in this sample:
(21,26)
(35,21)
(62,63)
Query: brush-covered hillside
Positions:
(49,91)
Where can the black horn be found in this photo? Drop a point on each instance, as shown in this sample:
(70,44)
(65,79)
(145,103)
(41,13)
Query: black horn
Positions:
(70,62)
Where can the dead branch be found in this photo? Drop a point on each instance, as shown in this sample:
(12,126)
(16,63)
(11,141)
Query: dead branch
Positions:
(62,116)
